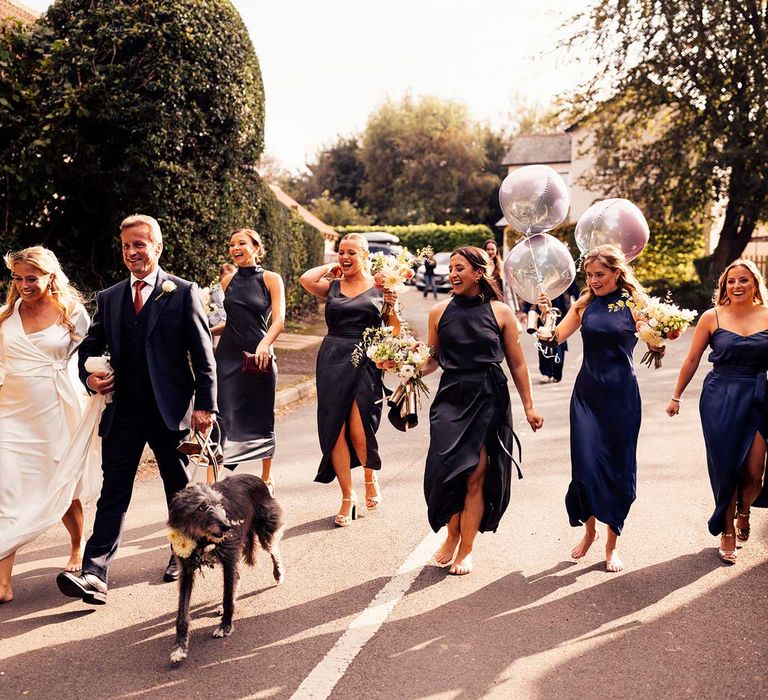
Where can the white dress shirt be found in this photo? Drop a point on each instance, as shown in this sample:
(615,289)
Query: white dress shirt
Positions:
(148,287)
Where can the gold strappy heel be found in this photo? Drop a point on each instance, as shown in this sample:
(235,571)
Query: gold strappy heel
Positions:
(342,520)
(728,556)
(742,533)
(372,502)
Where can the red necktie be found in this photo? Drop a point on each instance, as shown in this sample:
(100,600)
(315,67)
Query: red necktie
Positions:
(138,301)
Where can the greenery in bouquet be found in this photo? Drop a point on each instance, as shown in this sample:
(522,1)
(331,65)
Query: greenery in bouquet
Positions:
(657,321)
(402,355)
(390,272)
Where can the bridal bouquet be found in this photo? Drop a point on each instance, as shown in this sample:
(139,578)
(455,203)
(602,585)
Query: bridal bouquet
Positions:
(657,321)
(402,355)
(390,272)
(99,364)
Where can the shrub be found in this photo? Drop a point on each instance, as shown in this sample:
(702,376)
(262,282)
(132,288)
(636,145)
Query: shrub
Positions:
(154,106)
(442,237)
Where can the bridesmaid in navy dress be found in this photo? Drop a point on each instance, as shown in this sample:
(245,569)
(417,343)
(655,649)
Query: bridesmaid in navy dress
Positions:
(468,474)
(348,397)
(733,404)
(605,406)
(254,301)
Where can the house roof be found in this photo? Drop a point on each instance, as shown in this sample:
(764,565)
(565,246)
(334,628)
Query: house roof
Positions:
(12,9)
(310,218)
(539,148)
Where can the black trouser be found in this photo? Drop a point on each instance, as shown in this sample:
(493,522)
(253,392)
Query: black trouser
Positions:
(553,366)
(133,426)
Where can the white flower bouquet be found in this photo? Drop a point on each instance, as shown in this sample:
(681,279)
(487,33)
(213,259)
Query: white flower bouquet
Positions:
(390,272)
(99,363)
(657,322)
(403,356)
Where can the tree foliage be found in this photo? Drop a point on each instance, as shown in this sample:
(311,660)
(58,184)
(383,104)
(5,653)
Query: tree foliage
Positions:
(425,161)
(685,123)
(111,107)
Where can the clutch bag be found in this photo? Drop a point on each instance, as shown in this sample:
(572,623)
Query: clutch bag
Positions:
(250,365)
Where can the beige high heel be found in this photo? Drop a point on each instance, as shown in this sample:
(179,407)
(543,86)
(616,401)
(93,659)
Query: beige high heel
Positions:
(728,556)
(372,502)
(342,520)
(271,486)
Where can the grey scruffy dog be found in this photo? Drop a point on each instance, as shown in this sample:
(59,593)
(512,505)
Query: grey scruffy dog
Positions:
(220,524)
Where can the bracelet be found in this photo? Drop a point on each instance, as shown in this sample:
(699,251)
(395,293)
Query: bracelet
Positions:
(675,400)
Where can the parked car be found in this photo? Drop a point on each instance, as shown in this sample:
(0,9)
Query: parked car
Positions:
(442,283)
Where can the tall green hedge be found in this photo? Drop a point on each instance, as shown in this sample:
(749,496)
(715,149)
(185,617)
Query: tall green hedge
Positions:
(113,107)
(442,237)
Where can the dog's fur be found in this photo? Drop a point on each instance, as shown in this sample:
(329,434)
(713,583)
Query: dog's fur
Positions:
(231,514)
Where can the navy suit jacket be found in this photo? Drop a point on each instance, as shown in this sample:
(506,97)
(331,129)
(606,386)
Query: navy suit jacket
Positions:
(178,349)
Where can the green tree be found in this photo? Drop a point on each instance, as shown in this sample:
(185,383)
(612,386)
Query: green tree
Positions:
(336,212)
(337,170)
(683,122)
(425,160)
(109,107)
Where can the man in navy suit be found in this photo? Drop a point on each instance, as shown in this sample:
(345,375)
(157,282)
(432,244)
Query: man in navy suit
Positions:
(164,383)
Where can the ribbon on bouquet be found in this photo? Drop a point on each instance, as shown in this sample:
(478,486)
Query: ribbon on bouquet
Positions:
(404,403)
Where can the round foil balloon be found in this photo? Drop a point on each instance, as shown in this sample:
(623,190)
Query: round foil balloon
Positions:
(616,222)
(534,199)
(539,264)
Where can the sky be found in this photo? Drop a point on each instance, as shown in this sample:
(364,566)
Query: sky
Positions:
(328,65)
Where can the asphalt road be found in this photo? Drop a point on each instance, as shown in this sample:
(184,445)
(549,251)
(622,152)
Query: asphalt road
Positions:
(363,612)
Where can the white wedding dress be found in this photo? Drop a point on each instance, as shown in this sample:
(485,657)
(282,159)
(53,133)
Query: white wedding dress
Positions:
(48,454)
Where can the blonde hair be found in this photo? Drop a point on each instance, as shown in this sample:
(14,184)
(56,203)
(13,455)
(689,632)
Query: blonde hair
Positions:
(255,239)
(613,258)
(362,240)
(64,295)
(720,297)
(142,219)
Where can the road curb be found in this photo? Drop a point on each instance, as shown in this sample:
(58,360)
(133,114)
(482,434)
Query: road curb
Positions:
(297,392)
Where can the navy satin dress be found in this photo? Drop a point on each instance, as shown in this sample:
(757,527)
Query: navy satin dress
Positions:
(471,409)
(605,418)
(340,383)
(733,408)
(246,401)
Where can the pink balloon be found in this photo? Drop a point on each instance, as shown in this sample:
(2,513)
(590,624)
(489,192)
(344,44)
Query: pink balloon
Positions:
(615,222)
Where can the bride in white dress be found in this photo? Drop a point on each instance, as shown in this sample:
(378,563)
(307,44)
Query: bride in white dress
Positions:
(41,405)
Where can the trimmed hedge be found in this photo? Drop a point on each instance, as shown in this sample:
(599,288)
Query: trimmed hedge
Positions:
(442,237)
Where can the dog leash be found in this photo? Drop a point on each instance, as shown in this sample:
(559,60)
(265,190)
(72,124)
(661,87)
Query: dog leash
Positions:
(204,450)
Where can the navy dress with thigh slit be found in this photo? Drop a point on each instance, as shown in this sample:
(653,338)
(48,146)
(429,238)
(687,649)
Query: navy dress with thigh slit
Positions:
(340,383)
(733,408)
(605,418)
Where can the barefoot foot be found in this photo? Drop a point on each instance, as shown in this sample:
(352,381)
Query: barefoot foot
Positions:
(75,562)
(6,595)
(612,562)
(447,550)
(462,565)
(586,542)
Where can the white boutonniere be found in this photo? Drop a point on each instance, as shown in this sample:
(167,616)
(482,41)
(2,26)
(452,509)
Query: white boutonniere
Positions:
(168,287)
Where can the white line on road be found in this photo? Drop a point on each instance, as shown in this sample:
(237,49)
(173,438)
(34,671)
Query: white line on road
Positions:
(323,678)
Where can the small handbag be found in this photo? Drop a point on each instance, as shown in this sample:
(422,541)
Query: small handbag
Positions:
(250,366)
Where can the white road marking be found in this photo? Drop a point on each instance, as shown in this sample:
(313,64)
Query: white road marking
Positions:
(321,681)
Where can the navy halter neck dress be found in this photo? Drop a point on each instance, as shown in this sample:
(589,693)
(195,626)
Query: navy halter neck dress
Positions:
(605,418)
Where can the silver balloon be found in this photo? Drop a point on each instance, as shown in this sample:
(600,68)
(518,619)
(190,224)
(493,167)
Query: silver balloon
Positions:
(615,222)
(534,199)
(539,264)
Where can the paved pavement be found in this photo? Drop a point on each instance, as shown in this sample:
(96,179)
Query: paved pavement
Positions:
(363,613)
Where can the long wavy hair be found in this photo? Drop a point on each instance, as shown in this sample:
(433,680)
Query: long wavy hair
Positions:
(479,260)
(613,259)
(496,260)
(261,251)
(64,295)
(720,297)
